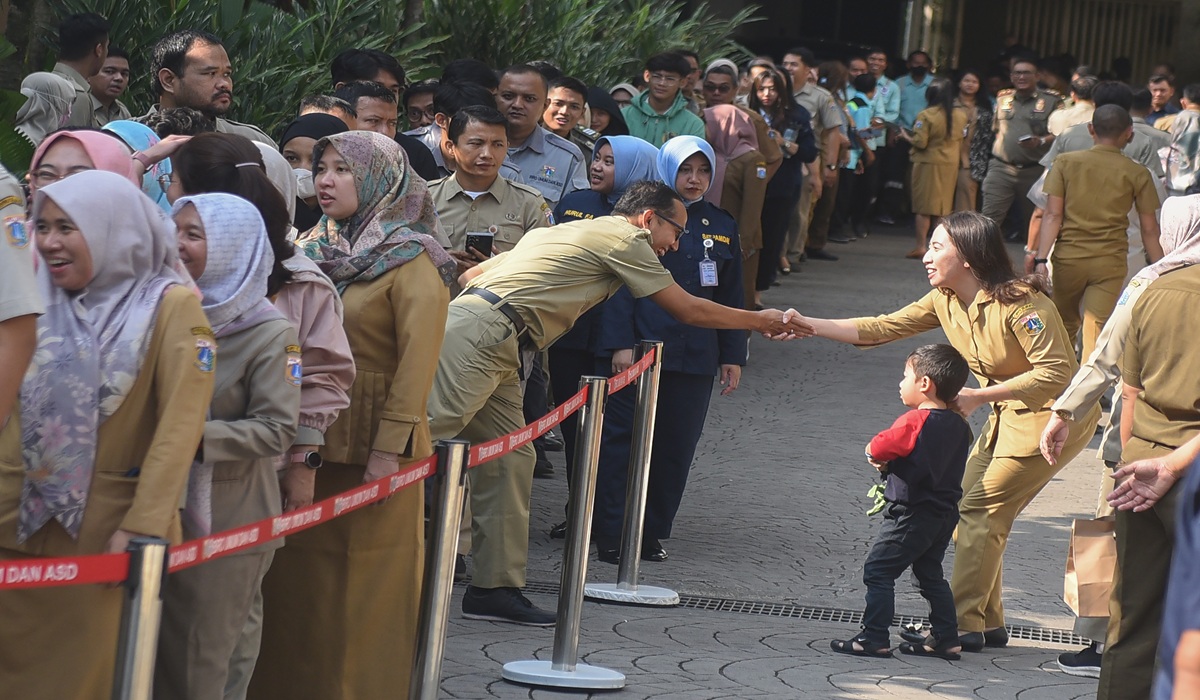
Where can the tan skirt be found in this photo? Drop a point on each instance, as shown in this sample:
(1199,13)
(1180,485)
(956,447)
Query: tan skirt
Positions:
(933,188)
(341,601)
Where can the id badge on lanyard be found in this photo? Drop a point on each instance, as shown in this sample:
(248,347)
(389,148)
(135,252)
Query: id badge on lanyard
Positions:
(708,267)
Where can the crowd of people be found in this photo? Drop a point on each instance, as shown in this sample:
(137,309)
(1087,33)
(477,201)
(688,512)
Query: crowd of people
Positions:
(249,325)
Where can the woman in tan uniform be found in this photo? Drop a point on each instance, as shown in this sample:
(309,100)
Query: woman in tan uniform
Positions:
(739,183)
(936,139)
(1011,335)
(84,481)
(355,582)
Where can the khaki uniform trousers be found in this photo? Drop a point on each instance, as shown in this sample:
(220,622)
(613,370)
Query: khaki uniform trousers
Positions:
(1145,542)
(995,491)
(477,396)
(1005,183)
(1090,284)
(802,217)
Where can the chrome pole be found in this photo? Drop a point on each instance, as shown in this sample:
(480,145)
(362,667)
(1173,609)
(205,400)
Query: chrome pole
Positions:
(565,671)
(439,570)
(137,644)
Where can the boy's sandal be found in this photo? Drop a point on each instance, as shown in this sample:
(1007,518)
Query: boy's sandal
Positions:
(862,648)
(930,648)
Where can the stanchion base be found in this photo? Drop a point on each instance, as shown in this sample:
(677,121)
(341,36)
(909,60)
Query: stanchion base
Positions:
(642,595)
(584,677)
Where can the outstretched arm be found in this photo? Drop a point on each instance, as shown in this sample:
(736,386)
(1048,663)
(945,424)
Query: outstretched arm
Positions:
(695,311)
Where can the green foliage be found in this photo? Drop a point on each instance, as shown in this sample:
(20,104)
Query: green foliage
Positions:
(600,42)
(278,56)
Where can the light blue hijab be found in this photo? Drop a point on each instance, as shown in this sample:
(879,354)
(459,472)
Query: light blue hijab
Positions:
(633,160)
(139,137)
(679,149)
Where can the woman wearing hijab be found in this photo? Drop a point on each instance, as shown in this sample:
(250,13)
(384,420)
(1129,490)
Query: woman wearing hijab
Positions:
(252,420)
(1180,240)
(355,581)
(708,265)
(86,481)
(739,182)
(606,113)
(141,138)
(47,107)
(65,153)
(617,163)
(296,145)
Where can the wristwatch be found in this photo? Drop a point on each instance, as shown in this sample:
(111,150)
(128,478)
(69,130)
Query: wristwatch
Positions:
(312,460)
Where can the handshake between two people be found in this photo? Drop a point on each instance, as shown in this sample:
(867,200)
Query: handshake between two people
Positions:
(785,325)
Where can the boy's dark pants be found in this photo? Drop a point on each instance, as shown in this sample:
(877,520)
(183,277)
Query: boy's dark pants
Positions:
(918,538)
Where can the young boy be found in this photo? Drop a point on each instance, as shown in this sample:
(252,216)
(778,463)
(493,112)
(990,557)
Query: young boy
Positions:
(923,455)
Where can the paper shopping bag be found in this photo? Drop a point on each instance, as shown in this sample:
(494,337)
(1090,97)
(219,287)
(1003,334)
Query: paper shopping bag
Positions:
(1091,563)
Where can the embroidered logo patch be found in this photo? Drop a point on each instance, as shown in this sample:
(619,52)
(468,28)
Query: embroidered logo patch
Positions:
(18,235)
(761,172)
(206,355)
(547,171)
(918,124)
(1032,323)
(295,370)
(548,213)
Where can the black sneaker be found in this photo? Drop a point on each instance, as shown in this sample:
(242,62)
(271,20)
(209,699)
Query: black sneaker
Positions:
(504,605)
(552,442)
(1084,663)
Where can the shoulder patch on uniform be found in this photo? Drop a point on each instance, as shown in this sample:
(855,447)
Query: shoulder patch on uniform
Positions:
(918,124)
(295,370)
(206,355)
(1006,91)
(15,230)
(292,349)
(1032,323)
(760,171)
(11,200)
(202,330)
(548,213)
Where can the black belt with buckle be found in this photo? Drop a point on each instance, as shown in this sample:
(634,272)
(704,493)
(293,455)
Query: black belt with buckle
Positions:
(1018,166)
(500,305)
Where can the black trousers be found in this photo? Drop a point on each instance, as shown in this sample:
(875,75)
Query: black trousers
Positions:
(917,538)
(566,366)
(776,213)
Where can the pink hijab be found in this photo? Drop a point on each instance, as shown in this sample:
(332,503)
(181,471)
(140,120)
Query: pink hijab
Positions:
(107,152)
(731,134)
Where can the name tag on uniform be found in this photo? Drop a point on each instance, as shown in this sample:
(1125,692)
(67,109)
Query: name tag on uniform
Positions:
(708,267)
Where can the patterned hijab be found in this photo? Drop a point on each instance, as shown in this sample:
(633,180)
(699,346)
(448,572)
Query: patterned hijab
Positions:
(395,221)
(234,281)
(106,151)
(1180,237)
(139,137)
(91,343)
(732,135)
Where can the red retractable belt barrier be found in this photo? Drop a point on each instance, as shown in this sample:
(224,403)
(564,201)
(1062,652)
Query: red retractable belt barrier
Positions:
(113,568)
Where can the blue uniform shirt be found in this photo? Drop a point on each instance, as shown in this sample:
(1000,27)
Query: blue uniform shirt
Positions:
(686,349)
(912,99)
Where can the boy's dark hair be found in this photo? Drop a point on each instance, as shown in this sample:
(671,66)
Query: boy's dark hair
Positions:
(864,83)
(355,90)
(117,52)
(171,51)
(573,84)
(364,64)
(944,366)
(646,194)
(450,97)
(1111,92)
(1160,78)
(1110,121)
(1191,93)
(470,70)
(326,104)
(668,62)
(422,87)
(182,121)
(79,34)
(474,113)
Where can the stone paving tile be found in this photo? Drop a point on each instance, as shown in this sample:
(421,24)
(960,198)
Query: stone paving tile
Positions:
(775,512)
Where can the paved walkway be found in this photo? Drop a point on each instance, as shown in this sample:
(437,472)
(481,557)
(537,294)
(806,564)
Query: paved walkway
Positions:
(774,513)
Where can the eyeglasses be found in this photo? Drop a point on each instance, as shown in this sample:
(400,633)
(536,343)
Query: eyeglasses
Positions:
(719,89)
(680,231)
(1022,72)
(415,114)
(664,78)
(164,181)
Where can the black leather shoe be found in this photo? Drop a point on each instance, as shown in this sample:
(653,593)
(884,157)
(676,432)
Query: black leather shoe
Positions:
(609,550)
(559,531)
(996,638)
(543,469)
(821,255)
(652,550)
(972,641)
(504,605)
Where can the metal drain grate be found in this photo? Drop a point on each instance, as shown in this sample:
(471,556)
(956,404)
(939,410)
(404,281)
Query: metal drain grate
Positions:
(802,612)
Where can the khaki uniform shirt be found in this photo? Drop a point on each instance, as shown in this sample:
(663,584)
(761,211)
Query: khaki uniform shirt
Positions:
(1142,149)
(549,163)
(936,142)
(18,291)
(819,103)
(1161,359)
(1020,115)
(102,115)
(1023,346)
(81,109)
(1078,113)
(1098,186)
(432,137)
(766,145)
(506,209)
(556,274)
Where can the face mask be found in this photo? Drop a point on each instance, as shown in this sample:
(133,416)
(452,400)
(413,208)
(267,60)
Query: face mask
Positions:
(304,183)
(919,72)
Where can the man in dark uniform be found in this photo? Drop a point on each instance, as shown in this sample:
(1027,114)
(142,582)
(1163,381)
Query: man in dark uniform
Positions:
(1022,138)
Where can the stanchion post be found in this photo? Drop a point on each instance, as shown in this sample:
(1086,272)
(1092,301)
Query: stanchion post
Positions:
(565,671)
(137,644)
(627,589)
(439,570)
